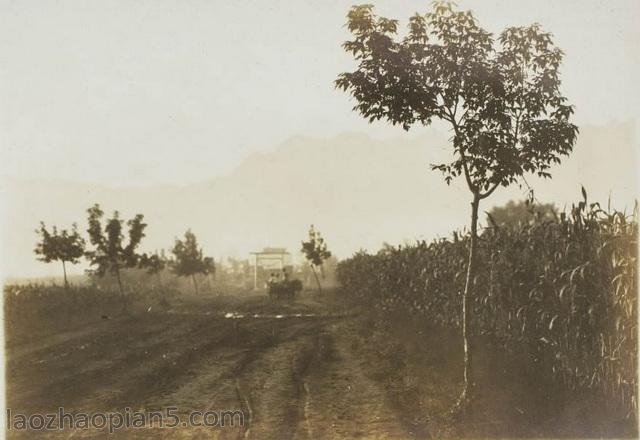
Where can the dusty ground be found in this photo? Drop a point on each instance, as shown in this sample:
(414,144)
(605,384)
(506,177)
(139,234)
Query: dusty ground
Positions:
(294,376)
(310,369)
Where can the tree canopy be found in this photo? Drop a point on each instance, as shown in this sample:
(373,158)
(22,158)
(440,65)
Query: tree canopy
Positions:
(64,246)
(501,96)
(315,251)
(189,258)
(520,213)
(110,253)
(153,263)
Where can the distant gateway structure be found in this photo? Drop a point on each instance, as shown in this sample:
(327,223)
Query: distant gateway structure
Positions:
(267,261)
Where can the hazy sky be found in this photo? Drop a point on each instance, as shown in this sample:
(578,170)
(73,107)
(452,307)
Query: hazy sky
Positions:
(147,92)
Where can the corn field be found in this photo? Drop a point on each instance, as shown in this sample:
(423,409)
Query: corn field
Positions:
(563,291)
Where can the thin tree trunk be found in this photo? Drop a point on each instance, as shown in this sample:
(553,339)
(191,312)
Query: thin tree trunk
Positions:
(467,387)
(119,281)
(195,284)
(124,299)
(64,271)
(66,288)
(315,274)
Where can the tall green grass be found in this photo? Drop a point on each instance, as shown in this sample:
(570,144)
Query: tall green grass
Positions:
(561,291)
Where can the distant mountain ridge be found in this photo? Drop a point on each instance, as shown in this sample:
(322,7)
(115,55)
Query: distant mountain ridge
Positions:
(359,191)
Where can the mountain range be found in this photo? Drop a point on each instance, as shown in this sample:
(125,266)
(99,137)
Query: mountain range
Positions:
(359,192)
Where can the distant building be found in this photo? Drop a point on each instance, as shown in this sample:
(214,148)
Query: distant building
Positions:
(271,260)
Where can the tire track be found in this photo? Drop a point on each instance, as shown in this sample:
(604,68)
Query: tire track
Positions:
(306,410)
(245,407)
(269,383)
(343,402)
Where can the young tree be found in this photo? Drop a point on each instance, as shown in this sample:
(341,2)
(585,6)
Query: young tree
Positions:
(110,254)
(154,264)
(64,246)
(315,251)
(189,259)
(209,269)
(501,97)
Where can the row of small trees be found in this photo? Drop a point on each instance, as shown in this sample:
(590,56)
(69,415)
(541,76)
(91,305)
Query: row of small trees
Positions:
(114,247)
(111,251)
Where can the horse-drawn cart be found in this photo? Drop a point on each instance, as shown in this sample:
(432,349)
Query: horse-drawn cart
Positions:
(284,289)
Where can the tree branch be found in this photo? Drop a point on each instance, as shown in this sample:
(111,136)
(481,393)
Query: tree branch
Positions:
(465,167)
(490,191)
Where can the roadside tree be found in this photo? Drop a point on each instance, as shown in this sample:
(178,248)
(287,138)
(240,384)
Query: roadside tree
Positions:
(66,246)
(500,97)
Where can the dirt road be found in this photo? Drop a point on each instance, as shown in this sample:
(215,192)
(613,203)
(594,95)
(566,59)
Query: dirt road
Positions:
(290,368)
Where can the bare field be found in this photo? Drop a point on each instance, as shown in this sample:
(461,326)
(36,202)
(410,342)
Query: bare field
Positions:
(195,359)
(308,369)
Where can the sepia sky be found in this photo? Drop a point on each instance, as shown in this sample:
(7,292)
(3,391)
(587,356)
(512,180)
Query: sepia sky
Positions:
(149,92)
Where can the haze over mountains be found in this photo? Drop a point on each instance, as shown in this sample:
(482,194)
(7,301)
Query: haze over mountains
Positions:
(359,191)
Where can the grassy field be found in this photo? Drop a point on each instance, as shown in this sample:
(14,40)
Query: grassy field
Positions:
(313,368)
